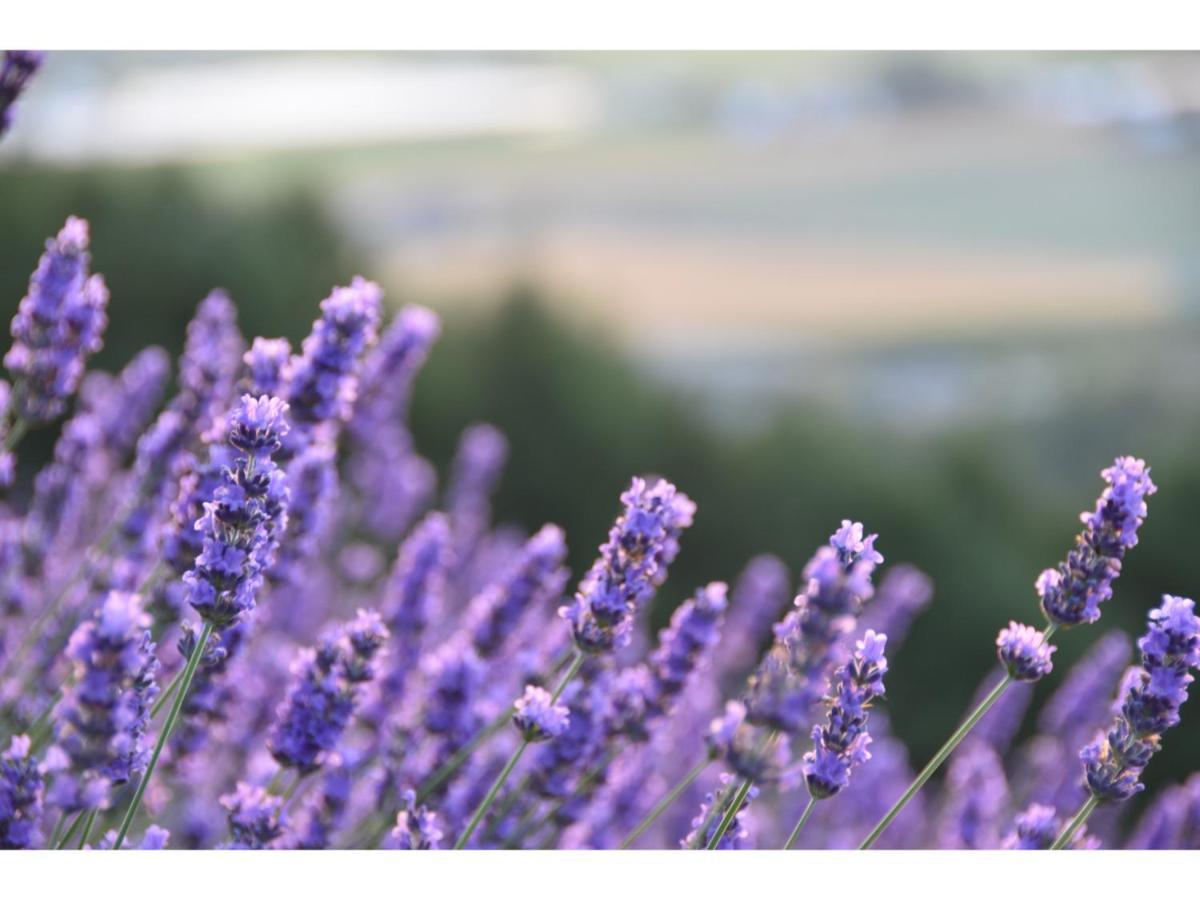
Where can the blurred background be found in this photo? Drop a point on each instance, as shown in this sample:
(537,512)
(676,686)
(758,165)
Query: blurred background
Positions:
(937,293)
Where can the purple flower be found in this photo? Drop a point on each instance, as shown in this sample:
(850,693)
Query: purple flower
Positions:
(536,577)
(1023,652)
(759,597)
(1038,826)
(538,717)
(208,368)
(683,646)
(240,523)
(417,827)
(840,745)
(791,678)
(101,723)
(16,68)
(321,381)
(1149,703)
(324,693)
(454,679)
(1072,593)
(265,362)
(478,462)
(975,796)
(20,797)
(59,324)
(312,481)
(256,818)
(631,565)
(1173,820)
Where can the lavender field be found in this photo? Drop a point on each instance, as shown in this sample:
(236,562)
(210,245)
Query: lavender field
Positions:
(241,608)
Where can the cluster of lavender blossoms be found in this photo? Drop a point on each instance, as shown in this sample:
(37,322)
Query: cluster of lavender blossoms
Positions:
(248,616)
(17,67)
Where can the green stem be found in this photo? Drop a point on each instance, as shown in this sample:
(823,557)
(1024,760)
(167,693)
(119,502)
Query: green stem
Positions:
(166,695)
(1085,811)
(168,726)
(15,433)
(66,838)
(730,814)
(812,802)
(481,811)
(947,748)
(54,835)
(666,802)
(87,829)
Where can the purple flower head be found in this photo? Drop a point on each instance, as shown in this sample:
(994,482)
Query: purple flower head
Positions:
(758,599)
(312,481)
(684,645)
(538,717)
(841,744)
(975,797)
(903,594)
(241,523)
(1023,653)
(389,369)
(265,362)
(1072,593)
(792,677)
(101,724)
(325,690)
(17,67)
(631,565)
(1038,826)
(537,576)
(733,839)
(454,679)
(322,384)
(256,818)
(1149,703)
(417,827)
(60,323)
(325,811)
(208,368)
(20,797)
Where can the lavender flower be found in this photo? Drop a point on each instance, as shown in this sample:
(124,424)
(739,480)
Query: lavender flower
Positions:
(1073,592)
(536,577)
(1172,821)
(256,818)
(538,717)
(1038,826)
(59,324)
(841,745)
(759,597)
(975,796)
(327,809)
(791,678)
(324,693)
(101,724)
(478,462)
(16,68)
(20,797)
(1149,704)
(454,676)
(265,362)
(321,381)
(417,827)
(155,838)
(682,647)
(632,563)
(209,365)
(238,524)
(1023,652)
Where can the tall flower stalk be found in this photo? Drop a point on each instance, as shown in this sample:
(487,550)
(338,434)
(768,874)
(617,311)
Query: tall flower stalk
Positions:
(1070,595)
(643,541)
(239,527)
(1150,698)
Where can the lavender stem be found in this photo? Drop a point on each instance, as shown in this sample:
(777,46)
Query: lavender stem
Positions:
(812,802)
(666,802)
(730,814)
(572,671)
(940,757)
(1085,811)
